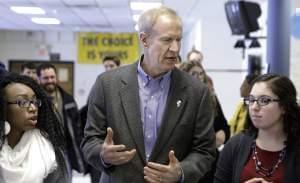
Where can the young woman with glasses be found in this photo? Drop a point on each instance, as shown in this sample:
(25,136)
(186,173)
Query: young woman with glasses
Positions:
(31,141)
(268,151)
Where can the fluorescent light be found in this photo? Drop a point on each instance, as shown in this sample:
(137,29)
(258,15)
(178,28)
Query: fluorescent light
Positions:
(136,17)
(28,10)
(144,5)
(52,21)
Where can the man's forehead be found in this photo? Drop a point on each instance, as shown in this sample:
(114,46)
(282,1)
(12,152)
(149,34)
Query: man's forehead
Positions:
(48,72)
(28,69)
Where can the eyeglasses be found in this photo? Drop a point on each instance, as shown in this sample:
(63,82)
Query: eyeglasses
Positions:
(261,101)
(27,103)
(196,74)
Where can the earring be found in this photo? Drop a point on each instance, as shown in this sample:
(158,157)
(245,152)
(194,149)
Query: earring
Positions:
(6,128)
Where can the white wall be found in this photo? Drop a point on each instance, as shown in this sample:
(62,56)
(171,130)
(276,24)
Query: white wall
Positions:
(295,53)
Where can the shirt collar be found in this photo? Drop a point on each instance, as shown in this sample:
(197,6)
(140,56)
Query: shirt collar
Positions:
(163,79)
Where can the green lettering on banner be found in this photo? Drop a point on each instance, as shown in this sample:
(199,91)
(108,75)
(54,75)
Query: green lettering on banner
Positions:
(90,41)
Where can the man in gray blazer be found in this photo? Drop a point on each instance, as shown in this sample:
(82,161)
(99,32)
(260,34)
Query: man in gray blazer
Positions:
(150,122)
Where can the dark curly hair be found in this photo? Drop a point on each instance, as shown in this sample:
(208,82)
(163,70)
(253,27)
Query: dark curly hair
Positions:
(287,94)
(47,123)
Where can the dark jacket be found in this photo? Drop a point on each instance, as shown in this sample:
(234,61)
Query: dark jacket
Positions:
(187,128)
(59,175)
(235,155)
(3,72)
(73,131)
(220,122)
(94,173)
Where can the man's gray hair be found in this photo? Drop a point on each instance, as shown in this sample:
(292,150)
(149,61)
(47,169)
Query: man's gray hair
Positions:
(149,17)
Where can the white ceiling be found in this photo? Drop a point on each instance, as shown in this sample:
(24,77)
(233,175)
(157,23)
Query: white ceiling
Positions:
(85,15)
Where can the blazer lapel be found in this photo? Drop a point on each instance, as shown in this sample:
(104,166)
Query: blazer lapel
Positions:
(129,95)
(176,103)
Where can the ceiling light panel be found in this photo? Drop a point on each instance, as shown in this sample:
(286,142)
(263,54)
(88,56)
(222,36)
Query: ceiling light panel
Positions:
(136,17)
(45,21)
(143,6)
(28,10)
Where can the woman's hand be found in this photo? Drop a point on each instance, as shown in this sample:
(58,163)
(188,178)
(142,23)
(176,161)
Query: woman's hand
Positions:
(257,180)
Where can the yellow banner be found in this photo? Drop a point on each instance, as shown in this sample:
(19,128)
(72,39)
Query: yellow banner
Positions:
(93,47)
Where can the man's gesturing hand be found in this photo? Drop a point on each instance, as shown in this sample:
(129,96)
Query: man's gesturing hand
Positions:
(113,154)
(155,172)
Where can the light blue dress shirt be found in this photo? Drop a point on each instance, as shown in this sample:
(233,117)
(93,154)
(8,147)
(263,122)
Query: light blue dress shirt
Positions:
(153,93)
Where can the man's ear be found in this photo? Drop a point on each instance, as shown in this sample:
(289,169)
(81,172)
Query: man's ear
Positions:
(143,39)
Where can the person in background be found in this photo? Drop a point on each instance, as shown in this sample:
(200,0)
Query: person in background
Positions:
(66,111)
(237,122)
(269,150)
(111,62)
(29,69)
(179,61)
(3,71)
(31,143)
(195,55)
(220,123)
(221,127)
(149,121)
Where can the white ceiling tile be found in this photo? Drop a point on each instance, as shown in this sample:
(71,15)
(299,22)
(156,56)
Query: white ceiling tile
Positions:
(181,7)
(88,15)
(4,24)
(123,13)
(16,1)
(48,2)
(80,2)
(112,3)
(120,19)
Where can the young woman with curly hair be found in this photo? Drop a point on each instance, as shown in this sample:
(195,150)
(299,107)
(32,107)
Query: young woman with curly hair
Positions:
(31,140)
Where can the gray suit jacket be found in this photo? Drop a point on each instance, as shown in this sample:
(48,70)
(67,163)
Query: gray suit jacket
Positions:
(187,128)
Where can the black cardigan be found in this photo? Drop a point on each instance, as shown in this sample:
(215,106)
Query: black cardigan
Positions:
(235,155)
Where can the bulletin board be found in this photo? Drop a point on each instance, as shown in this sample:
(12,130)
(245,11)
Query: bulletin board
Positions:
(64,71)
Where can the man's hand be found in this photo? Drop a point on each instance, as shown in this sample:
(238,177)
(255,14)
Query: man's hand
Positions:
(115,154)
(257,180)
(157,173)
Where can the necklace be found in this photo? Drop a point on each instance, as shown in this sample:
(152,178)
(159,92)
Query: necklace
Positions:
(260,169)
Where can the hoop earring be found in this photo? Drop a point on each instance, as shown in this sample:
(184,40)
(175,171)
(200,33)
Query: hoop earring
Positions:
(6,128)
